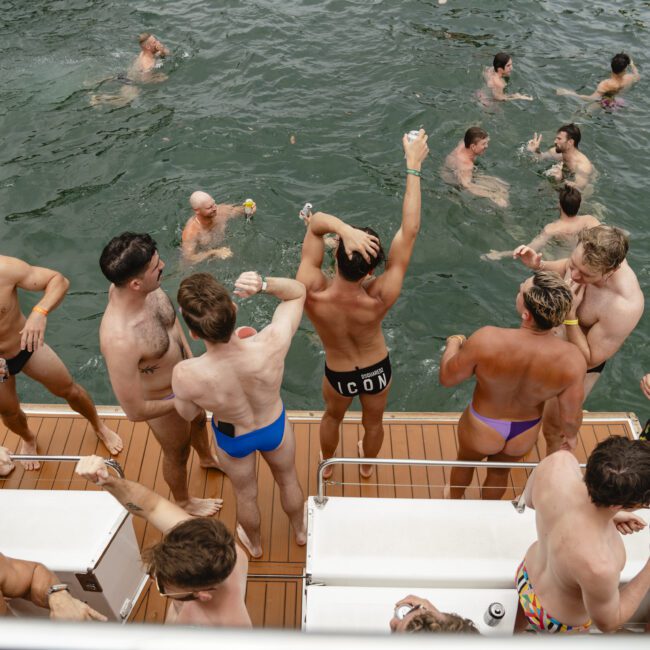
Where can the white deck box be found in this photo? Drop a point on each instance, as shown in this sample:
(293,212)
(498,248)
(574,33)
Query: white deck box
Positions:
(86,538)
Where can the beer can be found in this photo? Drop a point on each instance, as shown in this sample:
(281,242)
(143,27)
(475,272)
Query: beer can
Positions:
(494,613)
(3,366)
(249,204)
(306,211)
(412,135)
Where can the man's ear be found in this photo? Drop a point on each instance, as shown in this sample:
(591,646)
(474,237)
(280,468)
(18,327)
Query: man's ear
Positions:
(135,284)
(193,335)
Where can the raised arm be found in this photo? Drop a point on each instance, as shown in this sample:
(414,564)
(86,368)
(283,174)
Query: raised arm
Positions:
(124,374)
(288,314)
(533,260)
(389,285)
(32,580)
(533,147)
(136,498)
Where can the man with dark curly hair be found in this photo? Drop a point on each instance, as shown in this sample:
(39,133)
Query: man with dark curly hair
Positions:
(197,565)
(570,576)
(423,616)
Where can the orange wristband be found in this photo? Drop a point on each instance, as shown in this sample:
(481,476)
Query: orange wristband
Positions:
(40,310)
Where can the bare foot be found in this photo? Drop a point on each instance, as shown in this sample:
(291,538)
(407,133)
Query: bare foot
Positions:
(201,507)
(210,462)
(329,470)
(255,551)
(364,470)
(29,449)
(111,440)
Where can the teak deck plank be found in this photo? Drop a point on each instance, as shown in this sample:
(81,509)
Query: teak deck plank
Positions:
(276,601)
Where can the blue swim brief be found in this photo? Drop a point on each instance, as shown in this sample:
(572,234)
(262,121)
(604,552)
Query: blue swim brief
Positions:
(267,438)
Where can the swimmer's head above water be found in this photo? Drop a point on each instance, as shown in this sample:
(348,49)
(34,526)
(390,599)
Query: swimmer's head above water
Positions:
(149,43)
(570,200)
(476,139)
(620,62)
(502,64)
(355,268)
(568,136)
(203,204)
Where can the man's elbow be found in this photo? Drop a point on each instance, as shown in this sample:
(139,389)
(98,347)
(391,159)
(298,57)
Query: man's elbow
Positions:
(606,626)
(134,414)
(446,379)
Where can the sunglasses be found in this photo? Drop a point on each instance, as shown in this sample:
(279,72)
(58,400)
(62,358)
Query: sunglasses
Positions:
(183,596)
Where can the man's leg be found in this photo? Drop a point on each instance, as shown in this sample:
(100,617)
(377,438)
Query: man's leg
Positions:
(551,423)
(200,441)
(282,462)
(335,407)
(47,368)
(241,472)
(15,419)
(496,481)
(372,418)
(173,434)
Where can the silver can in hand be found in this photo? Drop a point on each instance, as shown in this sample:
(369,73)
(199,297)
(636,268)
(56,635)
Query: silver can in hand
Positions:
(4,369)
(305,213)
(412,135)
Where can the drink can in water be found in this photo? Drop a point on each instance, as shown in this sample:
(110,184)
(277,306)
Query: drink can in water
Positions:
(412,135)
(4,369)
(494,613)
(249,205)
(305,213)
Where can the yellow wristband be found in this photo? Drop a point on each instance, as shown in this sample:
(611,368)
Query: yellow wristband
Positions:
(40,310)
(460,337)
(574,321)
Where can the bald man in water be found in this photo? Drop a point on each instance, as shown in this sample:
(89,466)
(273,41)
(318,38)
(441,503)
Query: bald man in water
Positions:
(206,228)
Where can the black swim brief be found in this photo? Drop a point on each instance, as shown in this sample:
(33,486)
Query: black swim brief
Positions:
(599,368)
(370,380)
(16,364)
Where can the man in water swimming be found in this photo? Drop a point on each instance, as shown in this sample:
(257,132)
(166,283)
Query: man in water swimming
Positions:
(618,81)
(347,310)
(197,564)
(23,348)
(140,71)
(495,78)
(239,381)
(607,305)
(565,150)
(459,168)
(36,583)
(142,340)
(206,227)
(565,229)
(569,578)
(516,372)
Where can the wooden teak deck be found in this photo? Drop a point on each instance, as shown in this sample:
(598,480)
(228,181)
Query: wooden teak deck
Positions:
(274,597)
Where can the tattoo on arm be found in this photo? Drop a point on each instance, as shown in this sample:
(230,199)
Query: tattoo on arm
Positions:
(133,507)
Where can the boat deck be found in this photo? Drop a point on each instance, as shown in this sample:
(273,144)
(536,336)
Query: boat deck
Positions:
(274,596)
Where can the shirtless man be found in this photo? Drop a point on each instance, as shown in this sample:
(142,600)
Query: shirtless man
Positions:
(618,81)
(459,168)
(139,72)
(206,227)
(23,348)
(36,583)
(607,305)
(495,78)
(516,371)
(239,380)
(197,565)
(571,574)
(348,309)
(142,340)
(566,228)
(565,150)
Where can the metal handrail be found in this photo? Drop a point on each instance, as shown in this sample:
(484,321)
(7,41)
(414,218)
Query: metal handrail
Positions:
(109,462)
(320,496)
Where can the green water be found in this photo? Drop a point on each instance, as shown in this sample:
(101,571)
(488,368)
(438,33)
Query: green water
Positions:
(347,79)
